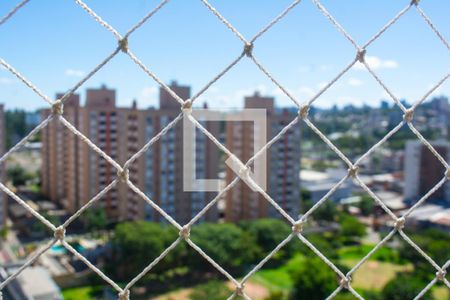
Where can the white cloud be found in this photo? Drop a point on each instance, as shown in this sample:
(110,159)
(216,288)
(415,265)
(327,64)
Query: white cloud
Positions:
(261,88)
(6,81)
(148,96)
(314,68)
(376,63)
(307,91)
(213,89)
(74,73)
(149,91)
(322,84)
(390,64)
(355,82)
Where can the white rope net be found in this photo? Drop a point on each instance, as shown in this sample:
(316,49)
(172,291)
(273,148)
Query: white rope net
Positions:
(186,109)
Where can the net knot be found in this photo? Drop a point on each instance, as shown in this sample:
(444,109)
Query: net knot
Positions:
(240,290)
(57,108)
(400,223)
(185,232)
(125,295)
(186,108)
(353,171)
(415,2)
(447,173)
(304,111)
(60,233)
(123,175)
(440,275)
(409,115)
(360,56)
(244,172)
(297,228)
(248,49)
(123,45)
(345,282)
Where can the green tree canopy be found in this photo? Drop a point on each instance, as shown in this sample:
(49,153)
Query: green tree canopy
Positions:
(325,212)
(95,219)
(313,280)
(136,244)
(436,243)
(351,227)
(227,244)
(366,205)
(18,175)
(405,286)
(269,233)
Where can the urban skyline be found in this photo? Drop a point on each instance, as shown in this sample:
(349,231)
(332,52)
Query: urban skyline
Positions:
(69,181)
(72,174)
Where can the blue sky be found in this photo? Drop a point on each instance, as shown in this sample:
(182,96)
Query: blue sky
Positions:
(55,43)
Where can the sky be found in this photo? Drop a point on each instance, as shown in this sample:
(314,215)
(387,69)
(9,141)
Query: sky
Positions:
(55,43)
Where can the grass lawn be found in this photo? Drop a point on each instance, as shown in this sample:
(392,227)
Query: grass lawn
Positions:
(441,292)
(82,293)
(275,280)
(368,277)
(175,295)
(357,252)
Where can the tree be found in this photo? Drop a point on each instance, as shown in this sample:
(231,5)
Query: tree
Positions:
(95,219)
(404,286)
(351,227)
(306,202)
(313,280)
(4,233)
(15,125)
(18,175)
(268,233)
(325,212)
(136,244)
(227,244)
(366,205)
(276,295)
(436,243)
(212,290)
(40,229)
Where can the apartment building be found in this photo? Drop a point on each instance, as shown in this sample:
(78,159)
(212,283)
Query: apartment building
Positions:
(72,173)
(282,161)
(164,162)
(61,153)
(422,171)
(3,197)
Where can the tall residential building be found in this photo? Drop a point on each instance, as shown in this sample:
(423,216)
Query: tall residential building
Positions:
(72,173)
(3,197)
(61,157)
(423,171)
(164,162)
(283,164)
